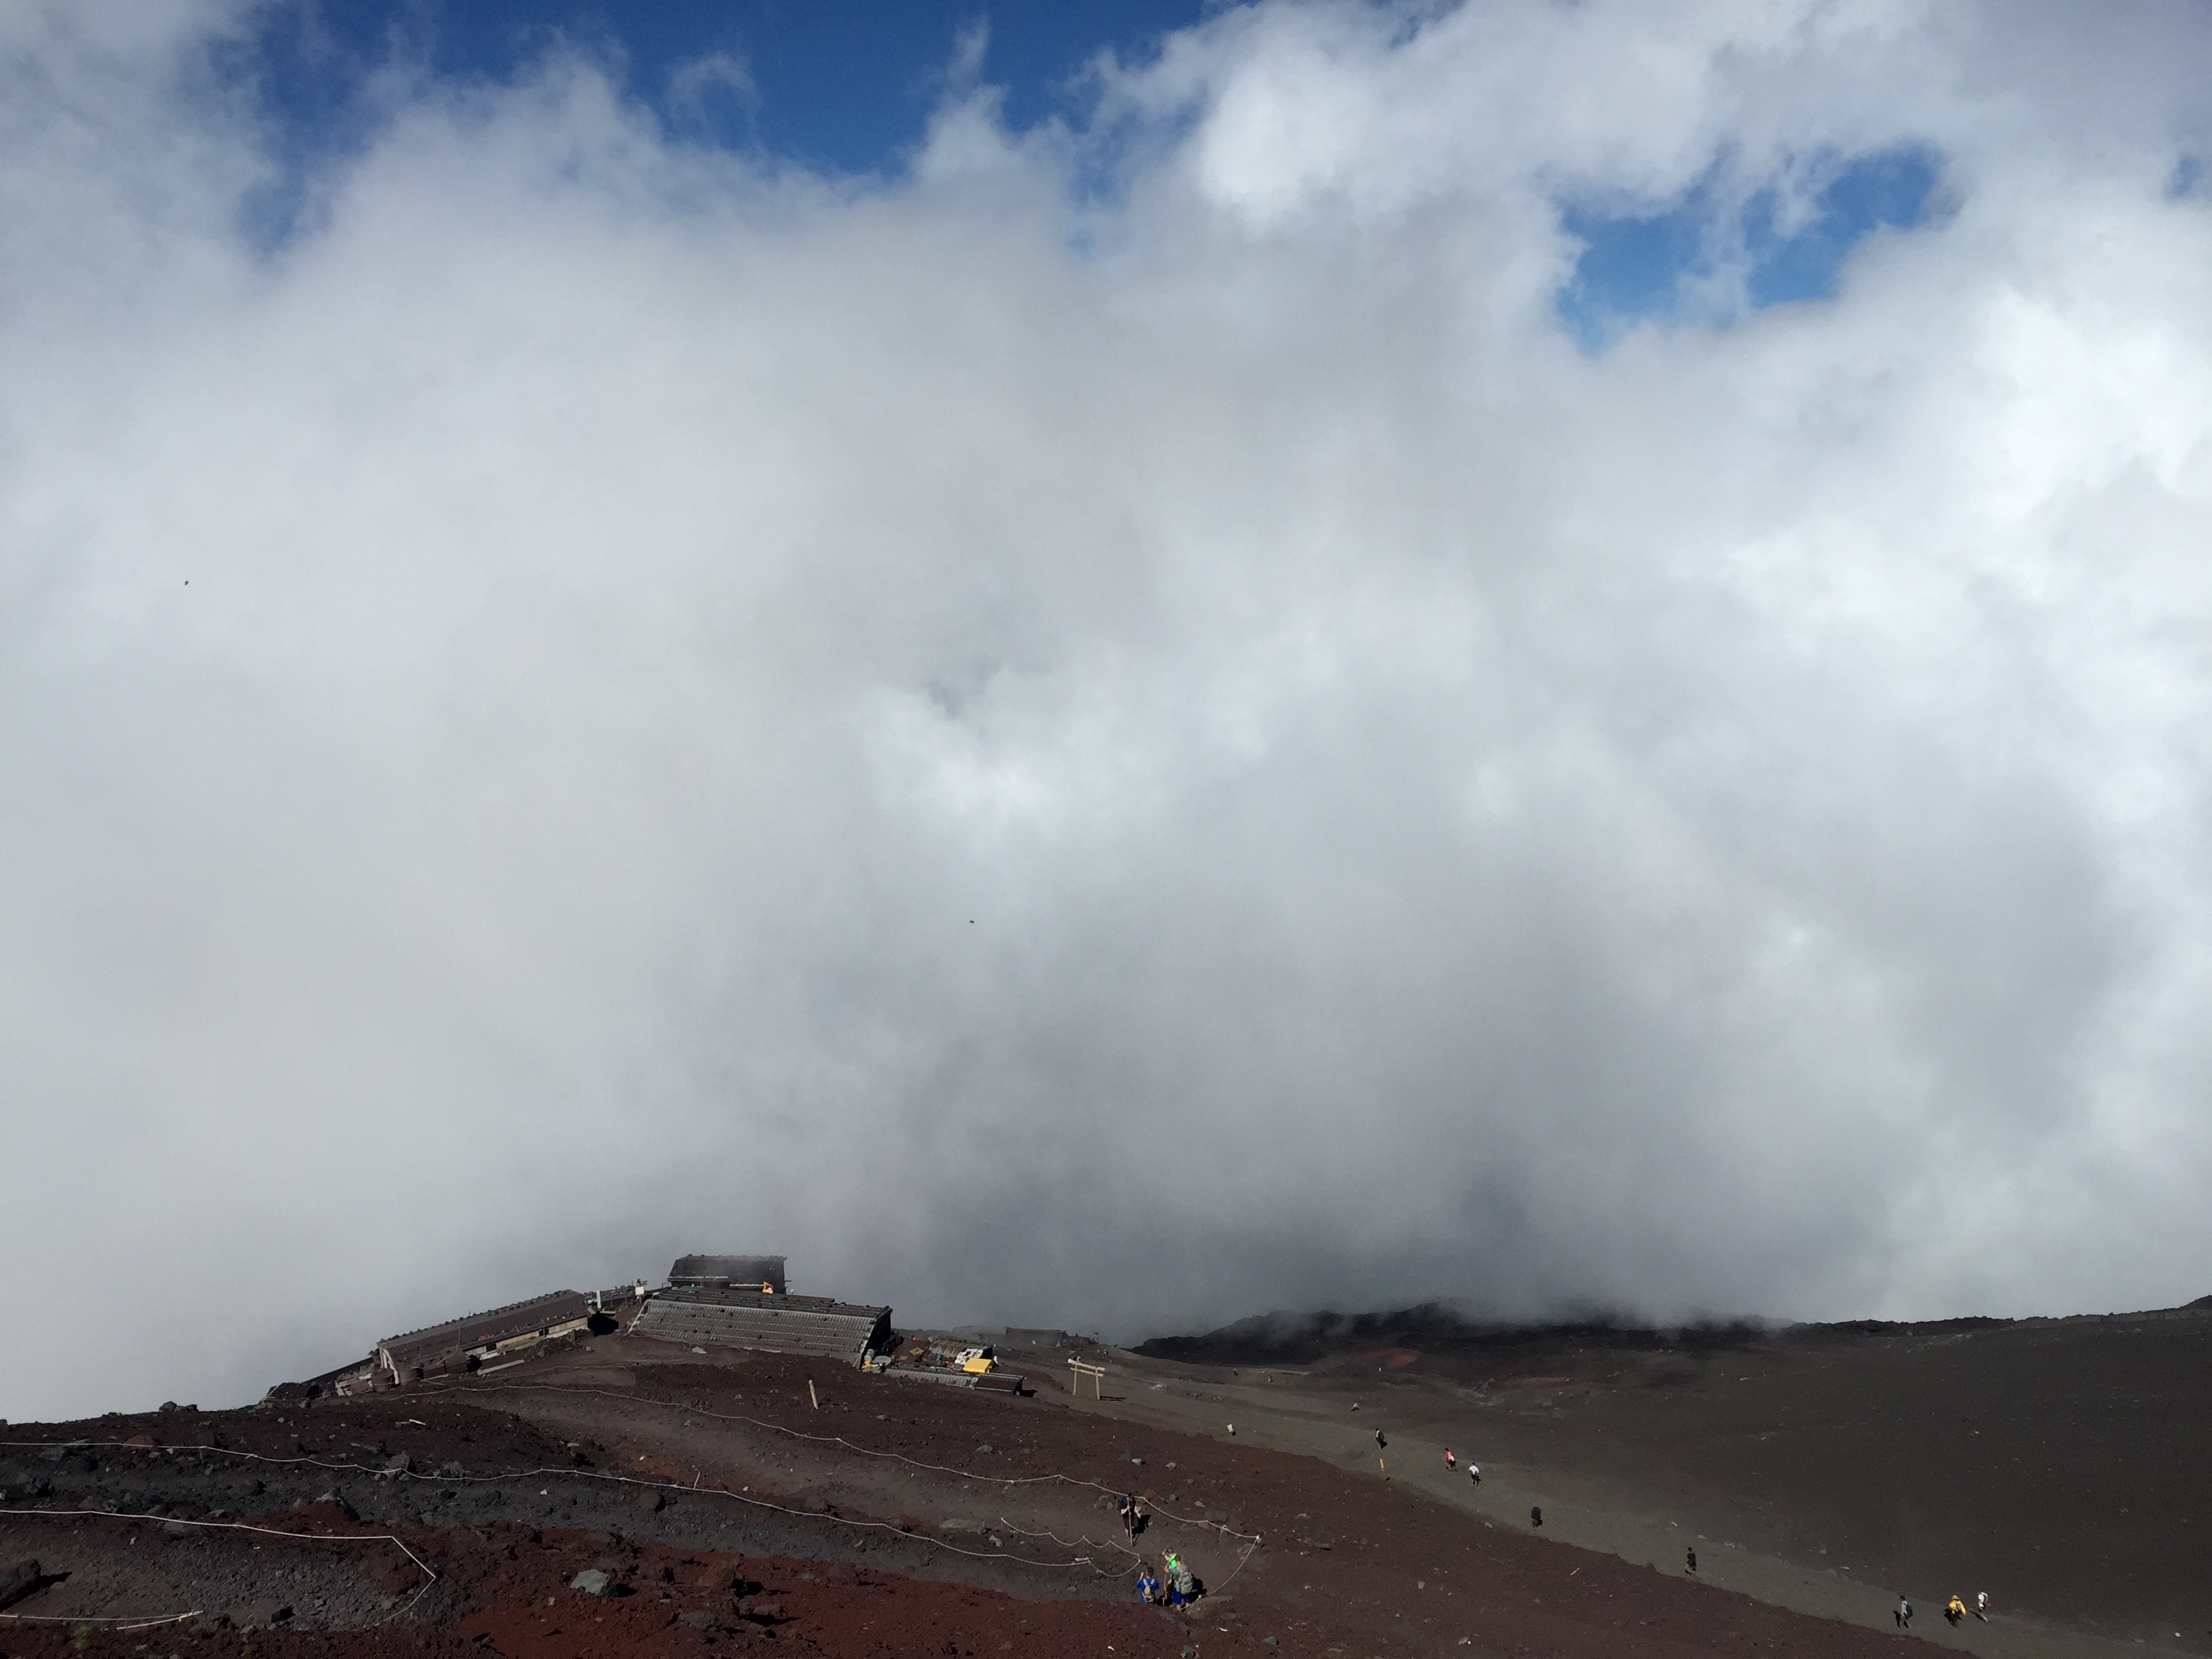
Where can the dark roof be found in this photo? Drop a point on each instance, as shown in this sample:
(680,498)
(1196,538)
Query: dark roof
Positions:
(492,1324)
(732,1295)
(779,1324)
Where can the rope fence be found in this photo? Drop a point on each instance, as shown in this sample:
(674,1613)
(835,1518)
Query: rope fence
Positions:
(1250,1541)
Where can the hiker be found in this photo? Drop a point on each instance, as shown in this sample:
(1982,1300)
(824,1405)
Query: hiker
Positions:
(1535,1515)
(1452,1463)
(1380,1442)
(1903,1615)
(1474,1473)
(1180,1582)
(1694,1560)
(1981,1605)
(1148,1588)
(1955,1611)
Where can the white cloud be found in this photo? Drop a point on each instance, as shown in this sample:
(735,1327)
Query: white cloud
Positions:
(1234,767)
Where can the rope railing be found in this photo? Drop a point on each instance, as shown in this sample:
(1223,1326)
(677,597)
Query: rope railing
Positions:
(1250,1541)
(537,1474)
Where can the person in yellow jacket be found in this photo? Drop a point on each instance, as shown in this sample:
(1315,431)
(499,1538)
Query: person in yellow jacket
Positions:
(1956,1611)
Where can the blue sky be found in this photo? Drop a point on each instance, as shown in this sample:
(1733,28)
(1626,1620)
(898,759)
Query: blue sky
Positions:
(1636,265)
(842,85)
(847,86)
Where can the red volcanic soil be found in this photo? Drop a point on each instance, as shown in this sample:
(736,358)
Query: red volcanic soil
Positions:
(728,1511)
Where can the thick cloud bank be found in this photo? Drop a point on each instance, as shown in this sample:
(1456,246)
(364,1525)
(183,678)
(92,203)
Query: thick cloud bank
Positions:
(1123,728)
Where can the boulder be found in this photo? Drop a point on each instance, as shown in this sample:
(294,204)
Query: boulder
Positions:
(19,1581)
(592,1582)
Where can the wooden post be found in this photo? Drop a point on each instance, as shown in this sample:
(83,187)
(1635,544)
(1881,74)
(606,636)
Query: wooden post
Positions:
(810,1399)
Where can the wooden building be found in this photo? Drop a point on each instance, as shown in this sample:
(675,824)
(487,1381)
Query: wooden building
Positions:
(462,1345)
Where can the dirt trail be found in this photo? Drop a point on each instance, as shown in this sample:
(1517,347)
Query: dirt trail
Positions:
(2060,1464)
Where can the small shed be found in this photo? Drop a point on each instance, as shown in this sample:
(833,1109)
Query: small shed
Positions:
(744,1272)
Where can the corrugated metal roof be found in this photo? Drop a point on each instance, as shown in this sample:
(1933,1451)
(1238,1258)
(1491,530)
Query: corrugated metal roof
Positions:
(778,1324)
(492,1324)
(731,1296)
